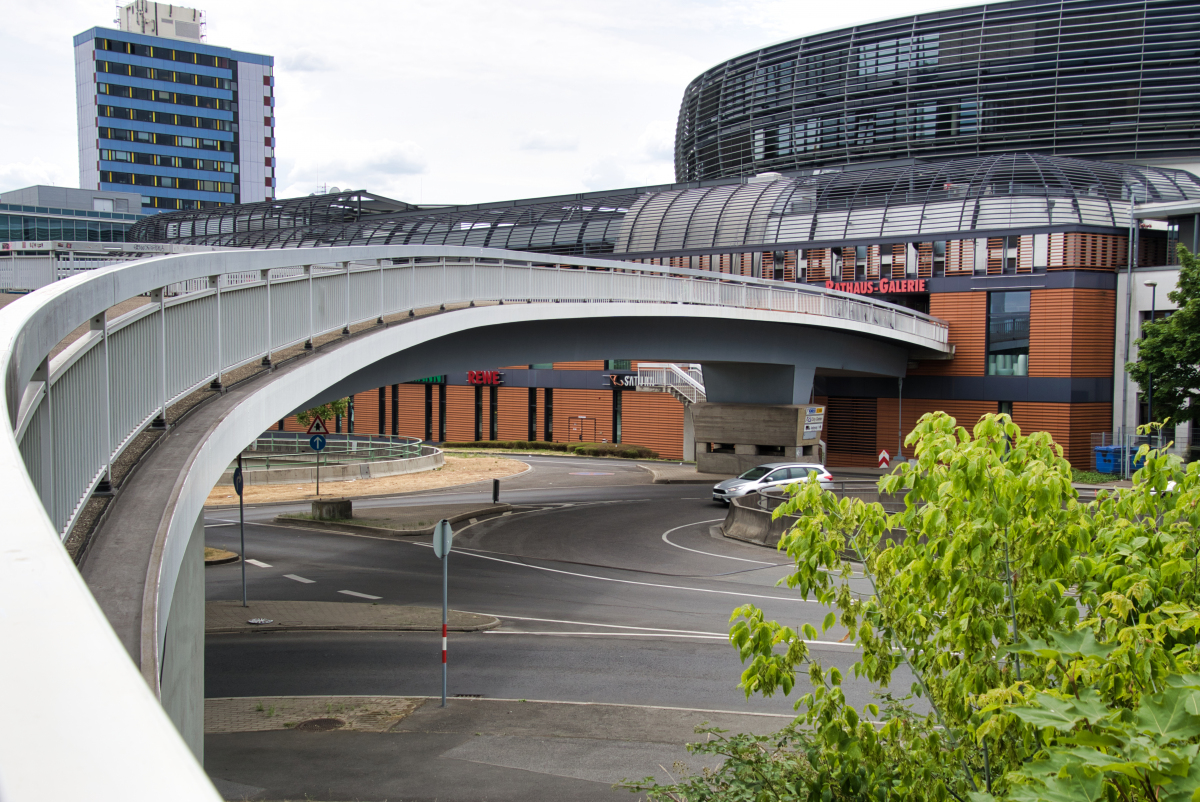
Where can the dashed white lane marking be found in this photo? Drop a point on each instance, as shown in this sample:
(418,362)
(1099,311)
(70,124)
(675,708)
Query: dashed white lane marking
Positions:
(709,553)
(300,579)
(360,595)
(259,563)
(466,553)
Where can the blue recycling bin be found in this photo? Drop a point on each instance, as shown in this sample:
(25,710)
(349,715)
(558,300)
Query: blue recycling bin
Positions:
(1108,459)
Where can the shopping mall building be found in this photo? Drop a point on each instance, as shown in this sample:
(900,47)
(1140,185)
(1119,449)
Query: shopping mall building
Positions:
(982,165)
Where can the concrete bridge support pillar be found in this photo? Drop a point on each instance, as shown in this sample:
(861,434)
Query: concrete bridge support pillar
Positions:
(181,682)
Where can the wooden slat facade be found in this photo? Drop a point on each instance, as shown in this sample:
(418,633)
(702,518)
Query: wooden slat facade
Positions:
(594,405)
(512,413)
(966,312)
(1071,332)
(654,420)
(593,364)
(1071,426)
(460,413)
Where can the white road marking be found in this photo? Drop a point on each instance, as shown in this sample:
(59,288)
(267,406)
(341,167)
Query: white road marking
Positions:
(467,553)
(300,579)
(259,563)
(360,595)
(610,626)
(646,631)
(604,634)
(709,553)
(210,526)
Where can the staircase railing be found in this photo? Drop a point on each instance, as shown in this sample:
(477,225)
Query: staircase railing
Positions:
(685,382)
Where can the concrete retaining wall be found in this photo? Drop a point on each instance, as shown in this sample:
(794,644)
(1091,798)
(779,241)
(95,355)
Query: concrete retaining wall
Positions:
(347,472)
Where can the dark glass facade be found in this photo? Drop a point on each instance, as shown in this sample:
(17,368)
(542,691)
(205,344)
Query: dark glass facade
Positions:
(1101,79)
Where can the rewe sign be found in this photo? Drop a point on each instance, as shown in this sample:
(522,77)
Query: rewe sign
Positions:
(883,286)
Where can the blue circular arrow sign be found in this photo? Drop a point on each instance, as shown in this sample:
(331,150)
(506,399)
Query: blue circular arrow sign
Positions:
(237,480)
(317,442)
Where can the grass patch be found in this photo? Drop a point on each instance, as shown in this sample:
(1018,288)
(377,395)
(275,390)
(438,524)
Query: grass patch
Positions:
(624,450)
(1094,477)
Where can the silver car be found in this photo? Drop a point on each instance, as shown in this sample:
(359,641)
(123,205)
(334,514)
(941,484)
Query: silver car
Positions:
(773,474)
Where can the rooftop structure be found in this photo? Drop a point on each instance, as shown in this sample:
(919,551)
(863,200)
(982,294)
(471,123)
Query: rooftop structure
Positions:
(1016,193)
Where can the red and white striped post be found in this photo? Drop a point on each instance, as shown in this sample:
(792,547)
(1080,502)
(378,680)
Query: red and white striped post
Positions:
(442,537)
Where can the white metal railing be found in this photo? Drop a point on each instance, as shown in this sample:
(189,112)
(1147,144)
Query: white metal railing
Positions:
(207,313)
(103,395)
(685,382)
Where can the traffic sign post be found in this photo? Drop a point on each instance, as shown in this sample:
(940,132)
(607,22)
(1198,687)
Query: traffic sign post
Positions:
(443,535)
(238,483)
(317,444)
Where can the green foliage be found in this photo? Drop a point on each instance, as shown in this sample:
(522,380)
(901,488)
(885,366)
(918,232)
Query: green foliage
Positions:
(326,412)
(1053,644)
(583,449)
(1169,349)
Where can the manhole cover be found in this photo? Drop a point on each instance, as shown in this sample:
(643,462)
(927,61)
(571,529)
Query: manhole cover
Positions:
(320,725)
(592,473)
(261,621)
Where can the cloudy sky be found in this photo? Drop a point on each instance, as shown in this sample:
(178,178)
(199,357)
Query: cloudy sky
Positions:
(441,101)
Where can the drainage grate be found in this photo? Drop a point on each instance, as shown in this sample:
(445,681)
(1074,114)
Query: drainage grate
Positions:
(468,696)
(261,621)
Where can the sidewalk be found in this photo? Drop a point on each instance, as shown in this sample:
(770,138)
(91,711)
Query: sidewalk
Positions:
(224,617)
(667,474)
(409,521)
(377,748)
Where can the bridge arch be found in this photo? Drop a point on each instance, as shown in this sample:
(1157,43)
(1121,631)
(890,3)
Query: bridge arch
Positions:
(71,415)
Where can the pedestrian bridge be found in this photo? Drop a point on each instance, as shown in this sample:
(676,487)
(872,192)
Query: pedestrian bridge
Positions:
(309,324)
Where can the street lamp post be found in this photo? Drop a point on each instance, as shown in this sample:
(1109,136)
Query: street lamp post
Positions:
(1153,285)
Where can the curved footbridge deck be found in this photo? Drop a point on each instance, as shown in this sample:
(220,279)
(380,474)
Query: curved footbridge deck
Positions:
(350,316)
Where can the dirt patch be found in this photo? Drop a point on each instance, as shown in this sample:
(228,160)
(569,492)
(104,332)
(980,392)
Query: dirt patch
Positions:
(307,713)
(456,471)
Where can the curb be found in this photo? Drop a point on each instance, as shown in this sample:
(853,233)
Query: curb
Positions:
(222,560)
(483,513)
(257,628)
(403,494)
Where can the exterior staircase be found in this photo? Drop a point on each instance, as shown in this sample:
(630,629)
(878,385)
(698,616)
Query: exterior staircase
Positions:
(685,382)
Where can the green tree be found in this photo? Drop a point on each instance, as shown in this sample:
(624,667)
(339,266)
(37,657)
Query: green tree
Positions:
(1169,349)
(325,412)
(1036,629)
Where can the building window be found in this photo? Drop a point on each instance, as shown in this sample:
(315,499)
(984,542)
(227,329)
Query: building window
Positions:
(860,262)
(532,430)
(493,409)
(1004,408)
(542,366)
(548,417)
(1008,334)
(616,417)
(478,412)
(618,364)
(939,259)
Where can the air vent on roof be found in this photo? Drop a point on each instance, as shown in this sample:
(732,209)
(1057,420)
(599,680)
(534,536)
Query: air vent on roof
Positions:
(761,177)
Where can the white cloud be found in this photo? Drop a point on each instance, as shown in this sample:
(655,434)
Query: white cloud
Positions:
(605,173)
(305,61)
(657,142)
(547,141)
(454,102)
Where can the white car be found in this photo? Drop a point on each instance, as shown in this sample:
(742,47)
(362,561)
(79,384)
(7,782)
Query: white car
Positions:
(773,474)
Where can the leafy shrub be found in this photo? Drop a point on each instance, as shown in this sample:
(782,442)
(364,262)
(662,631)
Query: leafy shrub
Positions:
(1055,643)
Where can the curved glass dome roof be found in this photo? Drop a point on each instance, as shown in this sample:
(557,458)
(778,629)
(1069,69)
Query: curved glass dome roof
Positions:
(967,196)
(962,197)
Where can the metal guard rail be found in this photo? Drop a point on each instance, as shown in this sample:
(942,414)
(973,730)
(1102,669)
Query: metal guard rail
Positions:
(71,416)
(104,376)
(670,375)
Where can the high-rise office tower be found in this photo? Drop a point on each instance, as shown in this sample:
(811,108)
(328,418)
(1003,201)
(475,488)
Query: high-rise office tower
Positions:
(163,113)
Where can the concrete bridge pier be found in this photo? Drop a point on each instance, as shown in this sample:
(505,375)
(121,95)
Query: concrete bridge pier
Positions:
(756,411)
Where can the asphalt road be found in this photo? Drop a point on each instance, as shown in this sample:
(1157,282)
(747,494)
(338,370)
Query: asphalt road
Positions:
(609,589)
